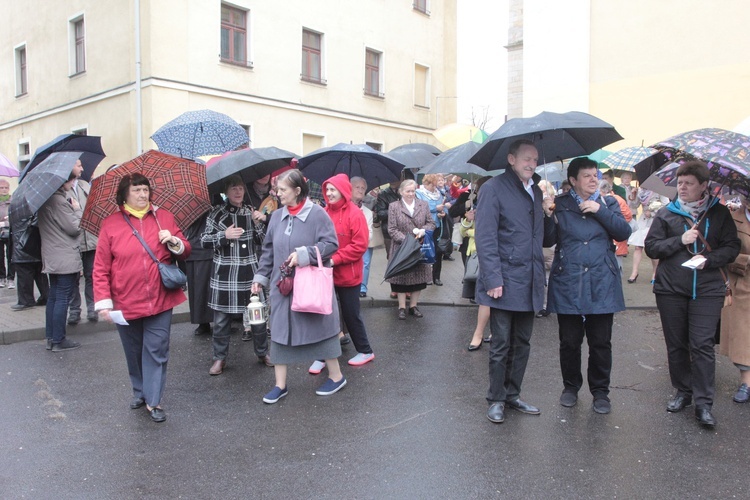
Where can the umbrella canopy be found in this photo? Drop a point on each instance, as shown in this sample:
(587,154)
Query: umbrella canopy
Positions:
(728,178)
(455,134)
(552,172)
(406,256)
(89,145)
(640,160)
(455,161)
(7,169)
(599,155)
(40,184)
(557,136)
(423,146)
(177,185)
(354,160)
(412,157)
(731,149)
(250,164)
(200,133)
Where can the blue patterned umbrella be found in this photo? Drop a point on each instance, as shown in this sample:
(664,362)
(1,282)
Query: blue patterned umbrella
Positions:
(200,133)
(40,184)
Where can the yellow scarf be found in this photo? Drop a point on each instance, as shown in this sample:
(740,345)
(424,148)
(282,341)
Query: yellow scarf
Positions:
(137,213)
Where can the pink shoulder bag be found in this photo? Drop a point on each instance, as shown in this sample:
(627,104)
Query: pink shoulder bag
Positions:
(313,288)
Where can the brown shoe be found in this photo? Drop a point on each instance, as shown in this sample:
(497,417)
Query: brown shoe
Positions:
(218,367)
(266,360)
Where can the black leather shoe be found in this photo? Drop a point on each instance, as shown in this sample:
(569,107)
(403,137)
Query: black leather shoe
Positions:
(496,413)
(137,403)
(542,314)
(413,311)
(437,282)
(20,307)
(704,417)
(74,320)
(158,415)
(568,399)
(402,313)
(473,347)
(679,403)
(203,328)
(523,407)
(602,406)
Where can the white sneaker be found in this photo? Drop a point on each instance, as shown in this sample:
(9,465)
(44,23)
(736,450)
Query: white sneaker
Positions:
(361,359)
(316,367)
(11,285)
(2,283)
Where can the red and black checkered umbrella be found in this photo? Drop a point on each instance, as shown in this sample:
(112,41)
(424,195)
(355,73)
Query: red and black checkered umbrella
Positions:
(177,184)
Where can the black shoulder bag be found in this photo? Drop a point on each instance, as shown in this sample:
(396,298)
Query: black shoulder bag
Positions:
(172,276)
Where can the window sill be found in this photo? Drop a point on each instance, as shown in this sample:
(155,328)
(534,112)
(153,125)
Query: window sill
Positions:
(19,96)
(374,95)
(76,75)
(423,12)
(236,64)
(314,81)
(420,106)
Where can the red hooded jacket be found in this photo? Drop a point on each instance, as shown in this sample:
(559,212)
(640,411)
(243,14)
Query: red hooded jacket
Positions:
(351,231)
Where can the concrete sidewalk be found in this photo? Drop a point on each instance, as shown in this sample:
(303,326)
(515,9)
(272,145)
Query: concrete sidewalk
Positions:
(18,326)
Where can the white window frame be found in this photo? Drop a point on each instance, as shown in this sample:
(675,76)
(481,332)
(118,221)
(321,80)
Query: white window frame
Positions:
(323,79)
(382,145)
(303,133)
(17,68)
(426,10)
(72,56)
(248,126)
(428,86)
(78,128)
(381,73)
(24,141)
(248,35)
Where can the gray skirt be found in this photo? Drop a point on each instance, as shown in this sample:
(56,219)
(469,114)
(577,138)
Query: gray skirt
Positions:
(287,355)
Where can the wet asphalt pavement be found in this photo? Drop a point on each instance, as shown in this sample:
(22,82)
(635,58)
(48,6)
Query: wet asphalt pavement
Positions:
(411,424)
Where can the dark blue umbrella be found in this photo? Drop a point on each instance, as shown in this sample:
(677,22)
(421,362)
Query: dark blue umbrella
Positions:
(456,161)
(40,184)
(89,145)
(250,164)
(557,136)
(354,160)
(200,133)
(413,155)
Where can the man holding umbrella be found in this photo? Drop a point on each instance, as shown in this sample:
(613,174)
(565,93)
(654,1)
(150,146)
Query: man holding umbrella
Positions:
(512,224)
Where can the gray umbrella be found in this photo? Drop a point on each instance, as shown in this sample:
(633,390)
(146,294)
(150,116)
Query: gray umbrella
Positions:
(40,184)
(557,136)
(412,157)
(250,164)
(455,161)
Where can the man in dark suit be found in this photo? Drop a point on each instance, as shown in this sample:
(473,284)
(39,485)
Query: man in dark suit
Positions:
(512,224)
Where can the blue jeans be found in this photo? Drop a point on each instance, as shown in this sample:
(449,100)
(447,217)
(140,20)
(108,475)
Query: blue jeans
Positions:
(60,288)
(366,259)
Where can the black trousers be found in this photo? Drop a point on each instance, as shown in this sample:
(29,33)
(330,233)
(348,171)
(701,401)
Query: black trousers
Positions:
(27,273)
(597,328)
(509,353)
(437,267)
(87,258)
(689,329)
(349,299)
(199,290)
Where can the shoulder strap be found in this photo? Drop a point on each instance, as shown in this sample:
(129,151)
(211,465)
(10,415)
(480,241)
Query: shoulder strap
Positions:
(693,225)
(140,238)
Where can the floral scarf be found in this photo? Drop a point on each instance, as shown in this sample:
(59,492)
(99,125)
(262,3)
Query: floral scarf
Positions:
(694,208)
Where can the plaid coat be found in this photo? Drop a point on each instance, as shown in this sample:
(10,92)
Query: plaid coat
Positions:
(235,261)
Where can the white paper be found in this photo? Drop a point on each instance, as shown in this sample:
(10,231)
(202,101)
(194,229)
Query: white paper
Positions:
(694,262)
(117,317)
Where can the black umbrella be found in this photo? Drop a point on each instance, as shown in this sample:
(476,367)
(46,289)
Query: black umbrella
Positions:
(354,160)
(89,145)
(412,157)
(455,161)
(406,256)
(557,136)
(250,164)
(40,184)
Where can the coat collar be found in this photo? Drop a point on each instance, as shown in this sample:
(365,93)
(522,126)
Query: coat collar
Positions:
(511,176)
(302,215)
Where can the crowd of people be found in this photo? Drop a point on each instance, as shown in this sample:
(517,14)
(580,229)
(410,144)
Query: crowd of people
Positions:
(529,248)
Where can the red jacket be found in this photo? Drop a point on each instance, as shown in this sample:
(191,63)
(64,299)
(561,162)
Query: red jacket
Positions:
(125,277)
(351,231)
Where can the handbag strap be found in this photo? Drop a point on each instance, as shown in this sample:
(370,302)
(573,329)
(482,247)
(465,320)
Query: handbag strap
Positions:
(320,260)
(140,238)
(708,247)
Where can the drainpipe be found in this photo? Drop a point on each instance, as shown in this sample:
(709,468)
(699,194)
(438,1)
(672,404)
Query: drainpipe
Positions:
(138,109)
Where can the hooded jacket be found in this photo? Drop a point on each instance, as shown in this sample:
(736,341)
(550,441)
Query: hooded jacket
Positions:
(351,231)
(664,242)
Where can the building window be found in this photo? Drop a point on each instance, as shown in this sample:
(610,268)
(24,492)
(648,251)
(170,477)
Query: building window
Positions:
(312,56)
(421,86)
(80,131)
(421,6)
(24,154)
(22,84)
(311,142)
(373,73)
(234,35)
(77,30)
(248,131)
(377,146)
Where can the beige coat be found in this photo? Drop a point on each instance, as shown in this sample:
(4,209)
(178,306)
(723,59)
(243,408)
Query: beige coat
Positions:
(735,334)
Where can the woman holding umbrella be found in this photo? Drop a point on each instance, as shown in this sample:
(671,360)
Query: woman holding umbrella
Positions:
(694,237)
(127,280)
(431,194)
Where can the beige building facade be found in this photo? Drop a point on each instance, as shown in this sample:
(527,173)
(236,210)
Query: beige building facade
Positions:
(652,69)
(297,75)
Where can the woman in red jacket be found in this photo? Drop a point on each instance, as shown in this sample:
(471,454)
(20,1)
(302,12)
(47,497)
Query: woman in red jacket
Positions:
(353,236)
(127,280)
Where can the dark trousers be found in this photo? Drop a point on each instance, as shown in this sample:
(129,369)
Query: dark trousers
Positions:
(199,290)
(437,267)
(6,251)
(74,311)
(349,299)
(597,328)
(60,289)
(26,274)
(689,329)
(509,353)
(146,345)
(221,336)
